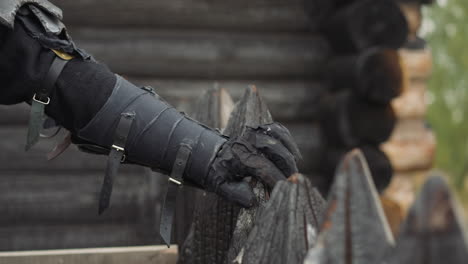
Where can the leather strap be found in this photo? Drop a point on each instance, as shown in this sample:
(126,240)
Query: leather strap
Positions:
(40,99)
(175,182)
(116,157)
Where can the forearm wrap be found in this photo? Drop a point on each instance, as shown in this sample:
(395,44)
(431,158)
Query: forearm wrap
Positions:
(157,131)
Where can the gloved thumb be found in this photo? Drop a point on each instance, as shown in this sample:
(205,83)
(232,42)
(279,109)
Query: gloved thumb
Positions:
(238,192)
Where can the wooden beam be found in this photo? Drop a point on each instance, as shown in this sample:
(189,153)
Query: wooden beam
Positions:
(204,54)
(33,198)
(121,255)
(65,236)
(254,15)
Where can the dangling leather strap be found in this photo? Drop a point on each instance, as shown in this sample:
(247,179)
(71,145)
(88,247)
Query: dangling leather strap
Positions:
(175,181)
(40,99)
(116,157)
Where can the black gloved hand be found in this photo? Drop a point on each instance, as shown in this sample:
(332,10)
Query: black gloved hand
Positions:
(267,153)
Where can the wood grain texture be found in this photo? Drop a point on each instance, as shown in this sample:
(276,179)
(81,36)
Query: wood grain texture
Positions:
(62,236)
(256,15)
(204,54)
(32,198)
(122,255)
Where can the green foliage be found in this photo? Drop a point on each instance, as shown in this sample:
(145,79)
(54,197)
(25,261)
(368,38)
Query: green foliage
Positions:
(446,29)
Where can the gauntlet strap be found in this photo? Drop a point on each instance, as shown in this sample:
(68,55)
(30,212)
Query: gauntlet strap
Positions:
(175,182)
(41,99)
(116,156)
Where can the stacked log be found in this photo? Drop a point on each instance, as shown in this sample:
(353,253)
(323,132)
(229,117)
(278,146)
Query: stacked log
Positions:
(363,75)
(411,148)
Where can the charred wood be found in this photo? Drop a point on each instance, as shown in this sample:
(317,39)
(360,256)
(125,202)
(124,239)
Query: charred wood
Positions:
(348,121)
(366,24)
(375,74)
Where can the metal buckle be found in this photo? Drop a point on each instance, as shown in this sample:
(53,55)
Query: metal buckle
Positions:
(175,181)
(118,148)
(41,102)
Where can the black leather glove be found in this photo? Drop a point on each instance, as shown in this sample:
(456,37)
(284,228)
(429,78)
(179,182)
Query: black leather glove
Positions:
(267,153)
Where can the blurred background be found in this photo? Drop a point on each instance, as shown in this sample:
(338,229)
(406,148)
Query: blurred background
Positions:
(445,27)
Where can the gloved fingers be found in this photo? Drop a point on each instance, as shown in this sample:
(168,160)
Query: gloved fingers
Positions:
(258,166)
(277,153)
(282,134)
(238,192)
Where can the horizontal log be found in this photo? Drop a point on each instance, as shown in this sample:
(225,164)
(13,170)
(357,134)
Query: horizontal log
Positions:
(40,237)
(287,100)
(417,64)
(412,104)
(407,155)
(404,186)
(14,158)
(254,15)
(365,24)
(120,255)
(203,54)
(32,198)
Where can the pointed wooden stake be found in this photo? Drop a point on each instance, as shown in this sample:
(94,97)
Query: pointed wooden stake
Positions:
(432,232)
(354,230)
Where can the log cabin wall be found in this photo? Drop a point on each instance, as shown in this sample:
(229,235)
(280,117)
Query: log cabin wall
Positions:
(181,48)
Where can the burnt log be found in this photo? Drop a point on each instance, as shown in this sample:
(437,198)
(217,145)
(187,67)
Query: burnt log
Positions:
(366,24)
(375,74)
(354,228)
(433,230)
(379,166)
(348,121)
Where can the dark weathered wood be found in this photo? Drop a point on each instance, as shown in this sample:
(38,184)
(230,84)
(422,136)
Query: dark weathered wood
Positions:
(349,121)
(62,236)
(433,230)
(287,227)
(202,54)
(375,74)
(72,198)
(299,103)
(354,229)
(13,156)
(366,24)
(379,166)
(115,255)
(256,15)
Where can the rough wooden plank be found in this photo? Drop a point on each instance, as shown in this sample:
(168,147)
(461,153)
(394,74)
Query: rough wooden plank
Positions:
(354,229)
(13,156)
(256,15)
(288,100)
(433,231)
(123,255)
(62,236)
(201,54)
(34,198)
